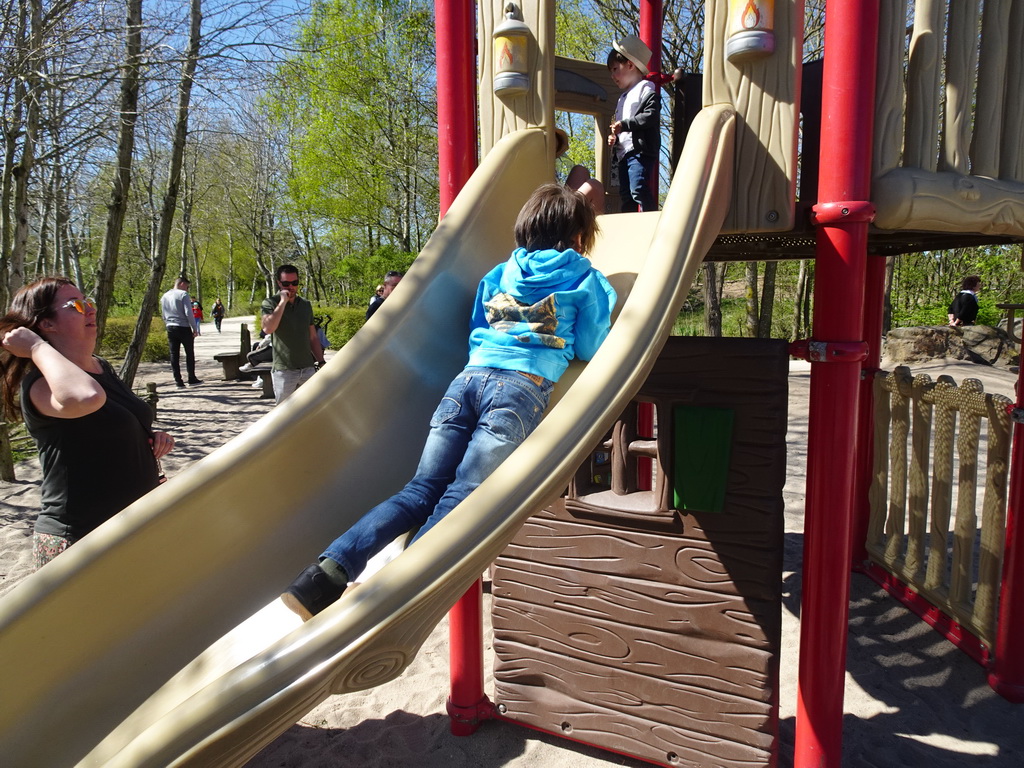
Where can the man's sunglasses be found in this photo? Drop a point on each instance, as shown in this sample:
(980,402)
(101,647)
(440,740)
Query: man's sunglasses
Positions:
(80,305)
(288,282)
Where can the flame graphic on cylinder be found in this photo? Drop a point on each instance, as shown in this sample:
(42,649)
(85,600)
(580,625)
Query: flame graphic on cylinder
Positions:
(751,15)
(505,57)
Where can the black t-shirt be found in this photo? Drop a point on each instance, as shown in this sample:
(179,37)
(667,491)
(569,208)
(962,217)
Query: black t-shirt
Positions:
(93,466)
(964,308)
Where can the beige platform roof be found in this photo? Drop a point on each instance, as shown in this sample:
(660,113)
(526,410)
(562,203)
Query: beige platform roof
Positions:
(105,647)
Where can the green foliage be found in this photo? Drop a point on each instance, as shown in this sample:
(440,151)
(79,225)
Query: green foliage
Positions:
(360,274)
(118,335)
(359,105)
(936,313)
(345,321)
(925,283)
(576,33)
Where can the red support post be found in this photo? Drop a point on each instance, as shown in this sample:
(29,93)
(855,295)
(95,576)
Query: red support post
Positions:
(1007,674)
(874,305)
(651,21)
(843,214)
(455,46)
(456,138)
(468,705)
(651,24)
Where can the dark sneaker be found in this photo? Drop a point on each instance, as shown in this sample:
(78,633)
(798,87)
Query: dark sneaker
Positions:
(193,382)
(310,593)
(179,383)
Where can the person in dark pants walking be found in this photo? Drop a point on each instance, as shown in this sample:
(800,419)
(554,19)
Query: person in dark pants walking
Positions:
(176,307)
(218,314)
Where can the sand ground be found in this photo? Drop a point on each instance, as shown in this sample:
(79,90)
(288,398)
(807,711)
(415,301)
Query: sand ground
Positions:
(912,699)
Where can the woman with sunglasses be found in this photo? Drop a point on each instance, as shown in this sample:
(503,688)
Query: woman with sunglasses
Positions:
(97,447)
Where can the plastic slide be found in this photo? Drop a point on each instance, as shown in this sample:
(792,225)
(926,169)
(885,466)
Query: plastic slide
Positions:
(105,648)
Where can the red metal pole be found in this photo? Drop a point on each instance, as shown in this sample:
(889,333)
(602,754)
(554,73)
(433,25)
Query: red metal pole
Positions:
(842,214)
(456,139)
(651,23)
(456,96)
(874,305)
(1007,674)
(650,32)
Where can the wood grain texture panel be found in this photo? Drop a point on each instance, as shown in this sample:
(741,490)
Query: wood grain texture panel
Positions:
(1011,152)
(699,601)
(692,721)
(500,116)
(923,77)
(661,644)
(961,74)
(765,93)
(890,90)
(991,95)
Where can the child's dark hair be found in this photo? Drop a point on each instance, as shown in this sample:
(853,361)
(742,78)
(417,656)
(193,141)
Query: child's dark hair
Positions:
(554,217)
(616,57)
(970,283)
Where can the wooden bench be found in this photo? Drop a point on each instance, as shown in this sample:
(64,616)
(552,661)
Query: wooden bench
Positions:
(232,360)
(264,375)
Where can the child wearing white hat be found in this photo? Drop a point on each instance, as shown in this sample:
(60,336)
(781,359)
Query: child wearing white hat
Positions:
(635,136)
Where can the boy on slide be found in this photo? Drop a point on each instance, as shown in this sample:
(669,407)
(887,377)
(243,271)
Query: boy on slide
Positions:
(532,315)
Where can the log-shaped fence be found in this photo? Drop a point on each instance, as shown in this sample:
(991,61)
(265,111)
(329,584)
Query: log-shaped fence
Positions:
(938,494)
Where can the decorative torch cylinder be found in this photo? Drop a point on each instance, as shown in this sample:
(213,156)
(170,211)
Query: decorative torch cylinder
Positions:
(751,29)
(511,51)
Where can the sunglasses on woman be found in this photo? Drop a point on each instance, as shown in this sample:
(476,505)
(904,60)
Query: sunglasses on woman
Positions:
(80,305)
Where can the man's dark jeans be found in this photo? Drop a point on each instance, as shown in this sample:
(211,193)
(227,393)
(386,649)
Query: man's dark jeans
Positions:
(178,337)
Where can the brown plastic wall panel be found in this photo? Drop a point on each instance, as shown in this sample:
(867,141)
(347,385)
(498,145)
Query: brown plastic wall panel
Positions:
(640,629)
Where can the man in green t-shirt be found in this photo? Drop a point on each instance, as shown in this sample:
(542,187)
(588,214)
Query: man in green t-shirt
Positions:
(289,319)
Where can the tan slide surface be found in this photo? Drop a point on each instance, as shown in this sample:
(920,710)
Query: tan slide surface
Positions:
(105,648)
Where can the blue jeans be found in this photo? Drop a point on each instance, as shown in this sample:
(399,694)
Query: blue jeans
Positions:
(485,414)
(635,174)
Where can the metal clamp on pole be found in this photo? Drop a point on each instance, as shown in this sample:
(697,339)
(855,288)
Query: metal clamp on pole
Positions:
(829,351)
(1016,414)
(842,212)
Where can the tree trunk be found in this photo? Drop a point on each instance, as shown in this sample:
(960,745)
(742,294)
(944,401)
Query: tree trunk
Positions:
(764,323)
(231,270)
(6,198)
(808,296)
(161,244)
(798,302)
(43,234)
(750,293)
(887,300)
(121,184)
(712,301)
(23,170)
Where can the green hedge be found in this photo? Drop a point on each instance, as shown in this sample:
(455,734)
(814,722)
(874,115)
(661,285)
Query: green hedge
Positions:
(937,313)
(118,335)
(345,321)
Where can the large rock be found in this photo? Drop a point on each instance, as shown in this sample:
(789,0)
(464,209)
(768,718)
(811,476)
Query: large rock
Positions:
(976,343)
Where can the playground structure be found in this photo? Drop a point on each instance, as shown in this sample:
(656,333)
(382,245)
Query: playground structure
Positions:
(128,691)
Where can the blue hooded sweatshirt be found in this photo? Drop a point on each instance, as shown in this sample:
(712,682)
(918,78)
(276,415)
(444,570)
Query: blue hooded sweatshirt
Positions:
(537,311)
